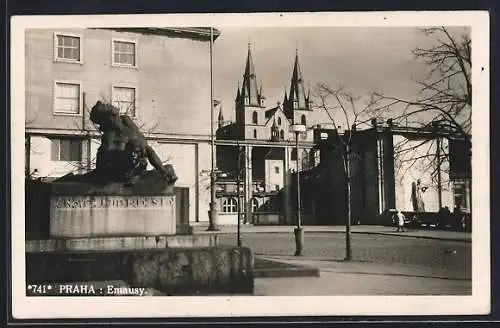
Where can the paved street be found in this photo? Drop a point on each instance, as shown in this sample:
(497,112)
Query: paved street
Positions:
(453,256)
(384,263)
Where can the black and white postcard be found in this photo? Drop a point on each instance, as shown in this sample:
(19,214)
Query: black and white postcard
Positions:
(250,165)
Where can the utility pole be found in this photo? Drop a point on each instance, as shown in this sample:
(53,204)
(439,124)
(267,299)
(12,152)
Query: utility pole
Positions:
(299,231)
(213,206)
(347,157)
(438,158)
(238,194)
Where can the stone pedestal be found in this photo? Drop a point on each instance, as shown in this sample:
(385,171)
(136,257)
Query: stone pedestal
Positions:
(92,216)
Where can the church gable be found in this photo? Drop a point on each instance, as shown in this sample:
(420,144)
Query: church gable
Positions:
(277,115)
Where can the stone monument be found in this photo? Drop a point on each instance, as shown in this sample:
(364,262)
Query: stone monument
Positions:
(118,223)
(119,197)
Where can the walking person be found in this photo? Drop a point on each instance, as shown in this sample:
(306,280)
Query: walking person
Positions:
(400,220)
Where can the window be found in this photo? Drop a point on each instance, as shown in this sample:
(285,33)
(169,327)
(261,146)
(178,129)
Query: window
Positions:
(69,150)
(303,119)
(68,48)
(255,118)
(460,195)
(255,205)
(67,98)
(305,160)
(255,133)
(124,98)
(282,134)
(277,169)
(314,157)
(279,120)
(124,53)
(229,205)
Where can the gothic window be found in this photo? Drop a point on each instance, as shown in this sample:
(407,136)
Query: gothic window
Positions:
(282,135)
(255,133)
(303,119)
(293,155)
(279,120)
(254,118)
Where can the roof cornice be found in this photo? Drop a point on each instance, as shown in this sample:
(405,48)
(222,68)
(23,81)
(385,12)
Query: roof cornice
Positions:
(195,33)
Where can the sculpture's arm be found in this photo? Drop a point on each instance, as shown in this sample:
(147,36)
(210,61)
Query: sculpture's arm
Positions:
(129,124)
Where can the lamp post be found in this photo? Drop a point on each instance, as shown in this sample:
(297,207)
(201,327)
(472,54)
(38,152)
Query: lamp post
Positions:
(212,213)
(238,194)
(298,231)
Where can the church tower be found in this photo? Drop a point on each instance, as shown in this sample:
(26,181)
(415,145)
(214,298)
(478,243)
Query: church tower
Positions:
(220,118)
(249,103)
(297,105)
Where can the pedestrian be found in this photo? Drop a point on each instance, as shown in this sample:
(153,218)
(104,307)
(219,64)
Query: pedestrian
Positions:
(400,220)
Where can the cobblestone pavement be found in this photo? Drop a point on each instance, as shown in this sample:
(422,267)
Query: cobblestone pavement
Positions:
(444,258)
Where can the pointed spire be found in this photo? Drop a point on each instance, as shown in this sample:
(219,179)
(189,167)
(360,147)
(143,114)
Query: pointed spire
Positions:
(297,96)
(285,99)
(238,94)
(221,115)
(250,90)
(249,68)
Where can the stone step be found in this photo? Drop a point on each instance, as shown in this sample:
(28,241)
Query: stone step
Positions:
(119,243)
(265,268)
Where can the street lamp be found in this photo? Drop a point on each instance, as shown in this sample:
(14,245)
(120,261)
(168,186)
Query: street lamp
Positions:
(298,231)
(212,213)
(239,196)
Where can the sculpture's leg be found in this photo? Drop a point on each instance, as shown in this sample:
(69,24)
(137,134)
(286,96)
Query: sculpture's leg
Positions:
(154,159)
(157,164)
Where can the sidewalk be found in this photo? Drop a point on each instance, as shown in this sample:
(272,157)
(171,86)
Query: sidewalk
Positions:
(201,228)
(363,278)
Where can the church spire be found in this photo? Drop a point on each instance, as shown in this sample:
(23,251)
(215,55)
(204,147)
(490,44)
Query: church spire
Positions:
(221,115)
(238,94)
(297,96)
(250,91)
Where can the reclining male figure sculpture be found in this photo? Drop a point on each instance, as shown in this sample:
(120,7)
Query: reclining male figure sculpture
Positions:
(124,152)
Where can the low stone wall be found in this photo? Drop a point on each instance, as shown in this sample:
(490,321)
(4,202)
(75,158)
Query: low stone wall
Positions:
(120,243)
(173,271)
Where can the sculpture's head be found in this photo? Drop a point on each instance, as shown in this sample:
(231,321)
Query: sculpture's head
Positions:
(102,114)
(133,148)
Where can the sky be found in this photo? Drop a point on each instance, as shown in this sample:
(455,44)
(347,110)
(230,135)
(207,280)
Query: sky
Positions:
(361,59)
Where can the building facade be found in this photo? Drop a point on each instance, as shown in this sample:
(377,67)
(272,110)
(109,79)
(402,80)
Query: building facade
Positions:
(259,149)
(391,167)
(158,76)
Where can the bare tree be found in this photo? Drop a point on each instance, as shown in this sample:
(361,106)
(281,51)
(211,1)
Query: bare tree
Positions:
(444,97)
(343,109)
(443,104)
